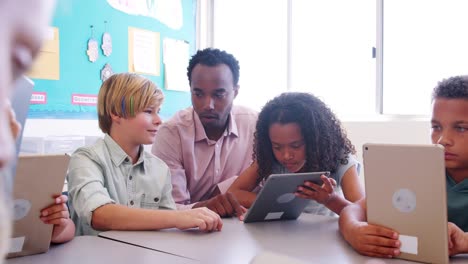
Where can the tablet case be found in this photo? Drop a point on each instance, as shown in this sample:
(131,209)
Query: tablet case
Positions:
(276,200)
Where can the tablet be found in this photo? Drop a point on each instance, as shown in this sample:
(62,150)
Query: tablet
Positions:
(405,189)
(276,200)
(38,179)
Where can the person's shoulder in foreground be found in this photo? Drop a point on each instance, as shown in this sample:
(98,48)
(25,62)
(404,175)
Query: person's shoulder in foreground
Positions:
(20,42)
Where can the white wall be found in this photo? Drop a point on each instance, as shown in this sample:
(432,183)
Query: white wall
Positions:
(383,131)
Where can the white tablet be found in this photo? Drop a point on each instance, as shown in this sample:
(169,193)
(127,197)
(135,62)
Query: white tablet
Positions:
(405,189)
(276,200)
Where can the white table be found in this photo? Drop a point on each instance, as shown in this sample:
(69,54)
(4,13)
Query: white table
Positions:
(313,239)
(92,249)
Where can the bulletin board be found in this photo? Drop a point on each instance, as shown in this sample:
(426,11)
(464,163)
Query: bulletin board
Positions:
(47,63)
(67,83)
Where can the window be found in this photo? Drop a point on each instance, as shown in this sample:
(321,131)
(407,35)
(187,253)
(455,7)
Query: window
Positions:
(255,32)
(331,54)
(326,48)
(424,42)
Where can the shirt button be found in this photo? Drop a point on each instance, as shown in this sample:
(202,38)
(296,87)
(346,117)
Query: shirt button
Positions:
(131,177)
(131,202)
(156,199)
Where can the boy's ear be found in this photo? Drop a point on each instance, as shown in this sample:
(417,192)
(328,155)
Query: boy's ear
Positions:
(115,118)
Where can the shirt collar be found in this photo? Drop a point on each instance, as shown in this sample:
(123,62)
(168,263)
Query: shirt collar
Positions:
(117,154)
(200,133)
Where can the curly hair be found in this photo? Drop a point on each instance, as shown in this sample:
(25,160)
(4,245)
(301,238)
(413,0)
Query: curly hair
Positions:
(455,87)
(214,57)
(325,139)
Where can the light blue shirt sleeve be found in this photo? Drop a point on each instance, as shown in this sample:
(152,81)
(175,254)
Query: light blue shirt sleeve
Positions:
(86,185)
(342,168)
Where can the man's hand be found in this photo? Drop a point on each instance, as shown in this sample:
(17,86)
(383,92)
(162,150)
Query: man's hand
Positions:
(224,205)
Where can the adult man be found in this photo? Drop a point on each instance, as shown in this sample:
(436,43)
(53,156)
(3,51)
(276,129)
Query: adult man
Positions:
(208,144)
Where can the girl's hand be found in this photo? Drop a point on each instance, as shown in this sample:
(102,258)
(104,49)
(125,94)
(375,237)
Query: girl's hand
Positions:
(322,194)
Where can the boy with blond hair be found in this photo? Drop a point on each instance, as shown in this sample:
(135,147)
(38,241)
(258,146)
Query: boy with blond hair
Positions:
(115,184)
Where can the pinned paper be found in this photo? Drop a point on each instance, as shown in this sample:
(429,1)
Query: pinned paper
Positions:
(16,244)
(273,216)
(409,244)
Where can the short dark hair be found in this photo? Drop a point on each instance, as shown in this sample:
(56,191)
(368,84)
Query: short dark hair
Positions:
(214,57)
(455,87)
(326,140)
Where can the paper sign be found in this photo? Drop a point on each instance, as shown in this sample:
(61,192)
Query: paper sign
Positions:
(273,216)
(409,244)
(16,244)
(38,98)
(84,99)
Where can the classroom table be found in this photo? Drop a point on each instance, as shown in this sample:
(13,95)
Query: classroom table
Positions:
(310,238)
(93,249)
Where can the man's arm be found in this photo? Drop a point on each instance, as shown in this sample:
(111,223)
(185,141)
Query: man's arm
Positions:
(367,239)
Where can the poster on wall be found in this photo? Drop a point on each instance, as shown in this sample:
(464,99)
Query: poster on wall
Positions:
(143,51)
(47,64)
(168,12)
(175,58)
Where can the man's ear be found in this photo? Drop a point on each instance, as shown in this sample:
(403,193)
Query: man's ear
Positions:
(236,90)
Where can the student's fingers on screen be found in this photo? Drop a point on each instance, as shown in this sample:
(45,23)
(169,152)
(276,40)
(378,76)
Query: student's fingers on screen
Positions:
(328,184)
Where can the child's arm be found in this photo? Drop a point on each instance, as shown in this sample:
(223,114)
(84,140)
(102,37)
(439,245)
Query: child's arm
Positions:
(325,194)
(120,217)
(458,240)
(367,239)
(242,187)
(58,215)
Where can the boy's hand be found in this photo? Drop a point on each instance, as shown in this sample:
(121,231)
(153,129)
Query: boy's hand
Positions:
(458,240)
(372,240)
(322,194)
(203,218)
(57,213)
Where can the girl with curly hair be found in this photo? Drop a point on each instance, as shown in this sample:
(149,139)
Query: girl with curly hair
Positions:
(297,132)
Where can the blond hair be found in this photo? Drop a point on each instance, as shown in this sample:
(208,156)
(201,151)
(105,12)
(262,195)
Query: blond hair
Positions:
(125,95)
